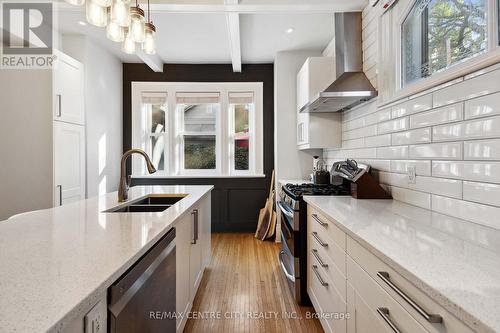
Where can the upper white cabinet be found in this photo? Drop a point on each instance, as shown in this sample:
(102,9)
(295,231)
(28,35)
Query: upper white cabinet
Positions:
(68,84)
(69,162)
(316,130)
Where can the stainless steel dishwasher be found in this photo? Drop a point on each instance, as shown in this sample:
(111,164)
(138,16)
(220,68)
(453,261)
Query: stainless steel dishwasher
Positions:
(143,299)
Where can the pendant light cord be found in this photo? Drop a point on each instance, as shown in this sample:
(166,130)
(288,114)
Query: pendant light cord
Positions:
(149,14)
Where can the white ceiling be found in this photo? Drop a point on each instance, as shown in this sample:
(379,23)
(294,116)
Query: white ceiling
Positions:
(203,37)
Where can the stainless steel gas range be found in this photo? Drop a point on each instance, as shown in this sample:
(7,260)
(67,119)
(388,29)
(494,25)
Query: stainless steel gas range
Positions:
(293,254)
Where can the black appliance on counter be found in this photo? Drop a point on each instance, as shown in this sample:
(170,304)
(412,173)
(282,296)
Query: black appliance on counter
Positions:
(293,254)
(146,288)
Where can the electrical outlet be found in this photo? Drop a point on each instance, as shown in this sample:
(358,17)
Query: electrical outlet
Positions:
(411,171)
(95,319)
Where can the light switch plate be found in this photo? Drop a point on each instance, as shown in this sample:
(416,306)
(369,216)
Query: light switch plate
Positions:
(411,171)
(95,319)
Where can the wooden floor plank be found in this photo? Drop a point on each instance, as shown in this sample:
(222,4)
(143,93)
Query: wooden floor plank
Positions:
(245,277)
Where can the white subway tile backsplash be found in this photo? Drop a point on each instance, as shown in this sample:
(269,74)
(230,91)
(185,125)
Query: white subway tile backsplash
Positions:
(488,105)
(441,186)
(378,117)
(437,151)
(421,135)
(378,141)
(451,135)
(472,129)
(392,152)
(355,143)
(416,198)
(478,171)
(482,150)
(478,86)
(482,192)
(423,168)
(415,105)
(471,211)
(393,125)
(438,116)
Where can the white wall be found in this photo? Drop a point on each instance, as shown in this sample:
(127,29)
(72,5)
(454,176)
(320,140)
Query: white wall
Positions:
(25,141)
(103,107)
(290,163)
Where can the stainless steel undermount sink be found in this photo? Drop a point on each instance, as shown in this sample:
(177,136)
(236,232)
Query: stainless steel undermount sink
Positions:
(151,203)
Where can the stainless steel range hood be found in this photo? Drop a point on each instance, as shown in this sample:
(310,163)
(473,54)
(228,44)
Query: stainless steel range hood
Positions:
(351,87)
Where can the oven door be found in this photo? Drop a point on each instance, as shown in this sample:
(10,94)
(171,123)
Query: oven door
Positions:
(287,221)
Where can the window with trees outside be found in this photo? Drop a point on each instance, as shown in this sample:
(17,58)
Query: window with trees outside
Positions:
(198,129)
(439,33)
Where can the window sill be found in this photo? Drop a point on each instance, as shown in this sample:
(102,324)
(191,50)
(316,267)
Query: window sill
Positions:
(197,176)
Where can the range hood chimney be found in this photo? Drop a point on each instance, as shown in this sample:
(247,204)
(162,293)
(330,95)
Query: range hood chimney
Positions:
(351,87)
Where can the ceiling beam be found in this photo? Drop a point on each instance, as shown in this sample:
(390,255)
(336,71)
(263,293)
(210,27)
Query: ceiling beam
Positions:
(152,60)
(233,29)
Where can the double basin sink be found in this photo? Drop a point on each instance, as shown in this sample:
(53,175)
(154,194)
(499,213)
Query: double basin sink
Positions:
(152,203)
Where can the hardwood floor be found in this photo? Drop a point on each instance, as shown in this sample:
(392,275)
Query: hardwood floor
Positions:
(244,277)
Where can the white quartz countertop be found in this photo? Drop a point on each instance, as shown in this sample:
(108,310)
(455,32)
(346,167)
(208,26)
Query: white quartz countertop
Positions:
(56,262)
(455,262)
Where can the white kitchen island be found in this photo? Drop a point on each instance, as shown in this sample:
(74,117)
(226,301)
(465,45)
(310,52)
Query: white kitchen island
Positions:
(57,263)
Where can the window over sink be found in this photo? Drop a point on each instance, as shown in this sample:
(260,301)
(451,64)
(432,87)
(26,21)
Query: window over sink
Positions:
(436,34)
(198,129)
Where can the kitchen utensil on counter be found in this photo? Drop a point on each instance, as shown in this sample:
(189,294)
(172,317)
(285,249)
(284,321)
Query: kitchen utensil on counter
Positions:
(321,176)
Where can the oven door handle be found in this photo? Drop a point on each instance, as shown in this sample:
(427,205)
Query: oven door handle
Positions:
(288,275)
(284,210)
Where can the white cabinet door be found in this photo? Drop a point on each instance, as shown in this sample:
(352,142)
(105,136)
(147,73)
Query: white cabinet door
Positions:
(68,83)
(69,162)
(195,264)
(182,288)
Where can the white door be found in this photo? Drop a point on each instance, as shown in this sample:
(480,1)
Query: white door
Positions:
(195,268)
(205,216)
(69,163)
(68,83)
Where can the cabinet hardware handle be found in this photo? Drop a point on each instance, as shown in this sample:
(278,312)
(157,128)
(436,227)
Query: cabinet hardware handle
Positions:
(318,258)
(384,313)
(60,194)
(321,223)
(59,105)
(315,235)
(195,225)
(315,270)
(431,318)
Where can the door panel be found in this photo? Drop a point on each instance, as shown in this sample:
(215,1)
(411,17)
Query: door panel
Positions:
(69,163)
(68,84)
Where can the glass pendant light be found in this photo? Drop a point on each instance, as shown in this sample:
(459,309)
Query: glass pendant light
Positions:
(96,15)
(128,45)
(149,44)
(137,23)
(120,12)
(114,32)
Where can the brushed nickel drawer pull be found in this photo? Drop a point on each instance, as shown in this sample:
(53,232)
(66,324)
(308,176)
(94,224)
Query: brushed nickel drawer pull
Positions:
(321,223)
(318,258)
(384,313)
(315,235)
(431,318)
(315,270)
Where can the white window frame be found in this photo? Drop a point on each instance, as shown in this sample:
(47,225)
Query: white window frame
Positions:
(225,127)
(395,18)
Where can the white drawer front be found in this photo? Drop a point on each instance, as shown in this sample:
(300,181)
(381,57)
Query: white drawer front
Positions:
(318,238)
(372,265)
(318,257)
(326,300)
(379,302)
(320,222)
